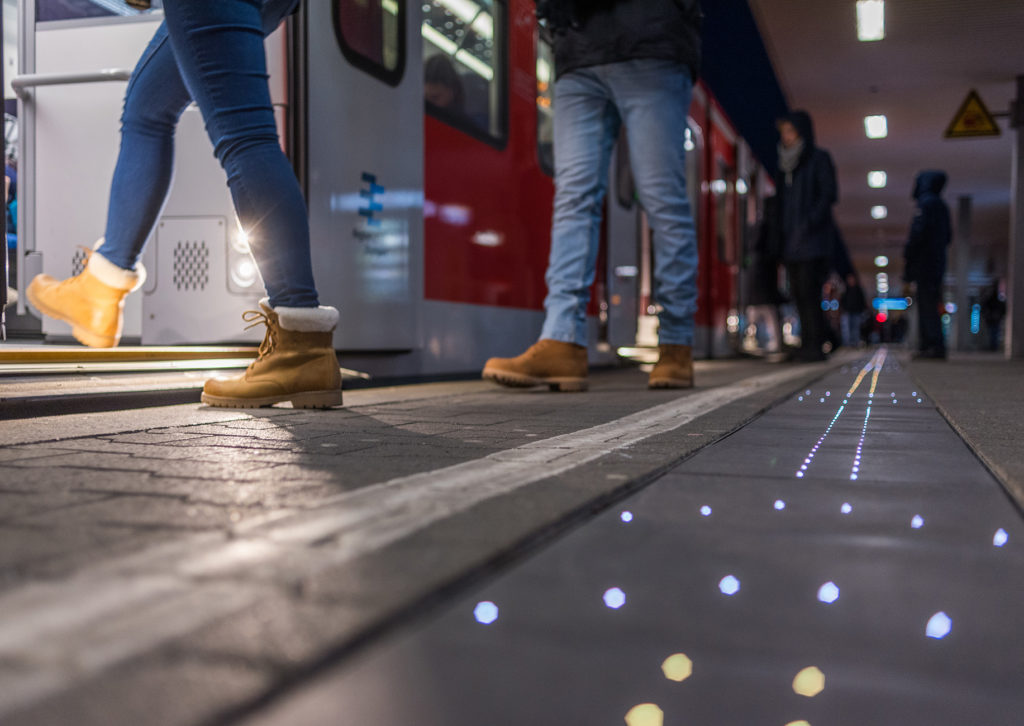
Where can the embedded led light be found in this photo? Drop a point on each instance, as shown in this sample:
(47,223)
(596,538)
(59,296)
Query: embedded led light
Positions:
(1000,538)
(729,585)
(879,211)
(870,20)
(614,598)
(881,261)
(877,179)
(705,510)
(917,522)
(780,505)
(485,612)
(645,714)
(677,667)
(809,682)
(876,127)
(828,593)
(939,626)
(626,516)
(846,508)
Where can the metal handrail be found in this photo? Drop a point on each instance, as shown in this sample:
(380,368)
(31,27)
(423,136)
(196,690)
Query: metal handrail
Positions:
(21,84)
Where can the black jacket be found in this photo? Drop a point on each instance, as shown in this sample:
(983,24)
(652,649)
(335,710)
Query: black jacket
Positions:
(596,32)
(924,257)
(806,198)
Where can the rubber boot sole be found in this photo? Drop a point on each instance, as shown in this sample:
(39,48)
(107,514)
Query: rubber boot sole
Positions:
(520,380)
(304,399)
(82,335)
(670,383)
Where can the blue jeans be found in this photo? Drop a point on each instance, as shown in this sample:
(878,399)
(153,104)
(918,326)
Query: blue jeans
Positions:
(212,52)
(652,99)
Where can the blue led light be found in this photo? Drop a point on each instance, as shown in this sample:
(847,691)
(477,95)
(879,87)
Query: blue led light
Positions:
(485,612)
(614,598)
(780,505)
(939,626)
(705,510)
(846,508)
(1000,538)
(917,522)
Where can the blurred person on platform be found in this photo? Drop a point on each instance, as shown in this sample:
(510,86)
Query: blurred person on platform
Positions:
(924,260)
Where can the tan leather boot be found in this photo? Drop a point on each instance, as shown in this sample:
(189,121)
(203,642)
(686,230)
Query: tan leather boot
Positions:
(296,362)
(561,366)
(674,368)
(92,301)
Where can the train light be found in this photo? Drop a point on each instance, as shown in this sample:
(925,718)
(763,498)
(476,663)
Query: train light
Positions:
(876,127)
(877,179)
(870,20)
(879,211)
(881,261)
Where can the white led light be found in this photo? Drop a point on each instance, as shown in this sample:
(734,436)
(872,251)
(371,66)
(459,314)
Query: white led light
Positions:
(614,598)
(828,593)
(879,211)
(705,510)
(876,127)
(779,505)
(485,612)
(729,585)
(939,626)
(917,522)
(881,261)
(870,20)
(877,179)
(846,508)
(1000,538)
(626,516)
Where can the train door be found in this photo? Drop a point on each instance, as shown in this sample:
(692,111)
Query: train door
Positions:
(722,253)
(201,276)
(364,167)
(74,61)
(620,304)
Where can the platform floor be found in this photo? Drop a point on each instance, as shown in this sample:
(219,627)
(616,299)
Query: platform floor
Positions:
(186,565)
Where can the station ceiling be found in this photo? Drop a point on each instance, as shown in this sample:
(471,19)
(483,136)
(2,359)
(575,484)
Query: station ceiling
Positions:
(933,54)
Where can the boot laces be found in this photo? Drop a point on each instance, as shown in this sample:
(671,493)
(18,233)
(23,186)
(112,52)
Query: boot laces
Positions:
(258,317)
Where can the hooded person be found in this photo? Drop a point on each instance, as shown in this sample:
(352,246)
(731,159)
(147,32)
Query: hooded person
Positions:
(924,258)
(807,190)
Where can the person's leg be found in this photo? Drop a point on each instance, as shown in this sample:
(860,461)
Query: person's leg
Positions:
(219,50)
(586,126)
(928,297)
(653,98)
(806,279)
(154,101)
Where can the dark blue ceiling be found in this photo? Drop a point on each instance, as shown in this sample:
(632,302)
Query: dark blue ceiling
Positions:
(739,73)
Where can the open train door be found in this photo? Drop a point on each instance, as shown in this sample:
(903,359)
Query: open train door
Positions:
(76,57)
(363,123)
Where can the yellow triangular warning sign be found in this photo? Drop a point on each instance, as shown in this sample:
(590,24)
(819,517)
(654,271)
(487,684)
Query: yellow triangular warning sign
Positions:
(973,119)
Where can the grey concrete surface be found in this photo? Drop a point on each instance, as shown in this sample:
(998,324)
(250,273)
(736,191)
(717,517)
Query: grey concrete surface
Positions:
(849,569)
(152,553)
(982,396)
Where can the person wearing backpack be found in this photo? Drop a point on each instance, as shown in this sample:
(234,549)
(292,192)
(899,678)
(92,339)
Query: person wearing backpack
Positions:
(618,63)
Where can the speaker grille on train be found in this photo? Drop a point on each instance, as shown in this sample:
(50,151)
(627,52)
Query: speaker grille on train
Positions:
(191,265)
(78,262)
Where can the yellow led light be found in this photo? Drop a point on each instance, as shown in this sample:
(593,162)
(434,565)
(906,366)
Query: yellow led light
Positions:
(809,682)
(646,714)
(677,667)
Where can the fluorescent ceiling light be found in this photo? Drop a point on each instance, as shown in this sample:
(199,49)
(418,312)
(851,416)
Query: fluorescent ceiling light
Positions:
(877,179)
(870,19)
(879,211)
(876,127)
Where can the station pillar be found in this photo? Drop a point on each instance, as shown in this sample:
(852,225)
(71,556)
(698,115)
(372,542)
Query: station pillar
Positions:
(1015,279)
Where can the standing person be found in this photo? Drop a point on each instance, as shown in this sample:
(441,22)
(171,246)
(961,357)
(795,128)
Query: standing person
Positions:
(807,189)
(924,259)
(631,63)
(213,53)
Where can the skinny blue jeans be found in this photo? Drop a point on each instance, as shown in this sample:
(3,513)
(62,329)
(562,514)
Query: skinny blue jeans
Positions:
(652,98)
(211,51)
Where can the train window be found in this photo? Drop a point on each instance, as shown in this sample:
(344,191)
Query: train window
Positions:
(463,65)
(545,112)
(49,10)
(372,37)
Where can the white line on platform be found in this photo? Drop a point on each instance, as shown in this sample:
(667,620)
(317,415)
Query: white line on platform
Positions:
(55,634)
